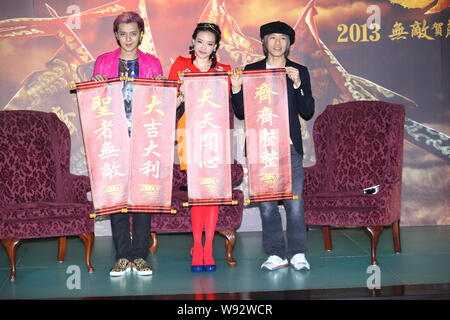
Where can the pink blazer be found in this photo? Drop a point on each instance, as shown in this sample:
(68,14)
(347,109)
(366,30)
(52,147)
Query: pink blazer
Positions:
(108,65)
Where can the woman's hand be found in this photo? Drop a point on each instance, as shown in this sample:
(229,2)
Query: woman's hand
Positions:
(99,77)
(294,75)
(236,80)
(180,96)
(180,99)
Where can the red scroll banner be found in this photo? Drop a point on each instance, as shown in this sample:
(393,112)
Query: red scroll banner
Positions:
(127,175)
(105,135)
(267,135)
(208,154)
(152,146)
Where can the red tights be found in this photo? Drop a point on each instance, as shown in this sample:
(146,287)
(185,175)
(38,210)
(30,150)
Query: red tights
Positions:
(203,218)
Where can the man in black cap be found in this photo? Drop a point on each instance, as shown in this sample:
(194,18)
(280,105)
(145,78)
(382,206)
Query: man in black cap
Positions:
(277,37)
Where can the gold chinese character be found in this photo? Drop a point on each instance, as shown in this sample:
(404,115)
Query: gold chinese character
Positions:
(268,138)
(420,30)
(149,187)
(208,181)
(155,102)
(108,150)
(150,149)
(105,129)
(269,158)
(210,141)
(265,115)
(206,95)
(448,29)
(150,168)
(152,128)
(113,188)
(264,92)
(398,32)
(207,117)
(438,29)
(269,179)
(110,170)
(211,163)
(101,106)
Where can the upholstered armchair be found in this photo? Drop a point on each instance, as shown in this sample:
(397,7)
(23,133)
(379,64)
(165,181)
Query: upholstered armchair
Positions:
(230,216)
(358,145)
(39,197)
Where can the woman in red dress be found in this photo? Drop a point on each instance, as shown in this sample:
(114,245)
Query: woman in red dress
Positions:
(205,42)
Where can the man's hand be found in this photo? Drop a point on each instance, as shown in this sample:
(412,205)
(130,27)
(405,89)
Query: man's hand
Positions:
(294,75)
(99,77)
(236,80)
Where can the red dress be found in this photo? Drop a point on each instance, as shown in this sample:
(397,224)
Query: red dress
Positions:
(185,65)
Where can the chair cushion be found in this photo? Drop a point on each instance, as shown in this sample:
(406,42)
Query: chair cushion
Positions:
(46,228)
(44,210)
(44,220)
(347,209)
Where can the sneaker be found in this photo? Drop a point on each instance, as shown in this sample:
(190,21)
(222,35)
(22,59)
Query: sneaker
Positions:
(142,267)
(121,267)
(299,262)
(274,263)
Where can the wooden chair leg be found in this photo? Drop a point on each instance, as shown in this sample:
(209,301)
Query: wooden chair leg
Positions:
(230,240)
(374,232)
(10,246)
(62,242)
(326,230)
(88,240)
(154,247)
(396,235)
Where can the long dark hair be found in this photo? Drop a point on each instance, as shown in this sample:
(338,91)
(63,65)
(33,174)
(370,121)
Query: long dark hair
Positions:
(209,27)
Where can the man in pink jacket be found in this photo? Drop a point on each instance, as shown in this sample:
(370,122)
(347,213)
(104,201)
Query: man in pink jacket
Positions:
(129,61)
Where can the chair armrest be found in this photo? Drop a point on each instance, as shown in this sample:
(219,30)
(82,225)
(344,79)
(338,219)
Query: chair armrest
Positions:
(237,174)
(76,188)
(314,177)
(179,178)
(389,198)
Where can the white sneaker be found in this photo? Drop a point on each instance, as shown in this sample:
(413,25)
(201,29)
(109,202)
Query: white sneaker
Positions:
(299,262)
(274,263)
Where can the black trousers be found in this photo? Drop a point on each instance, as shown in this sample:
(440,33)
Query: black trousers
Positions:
(135,244)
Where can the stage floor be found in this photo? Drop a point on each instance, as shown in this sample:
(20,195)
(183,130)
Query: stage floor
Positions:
(422,270)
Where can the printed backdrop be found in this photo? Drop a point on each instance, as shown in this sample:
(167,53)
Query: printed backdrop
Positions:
(392,50)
